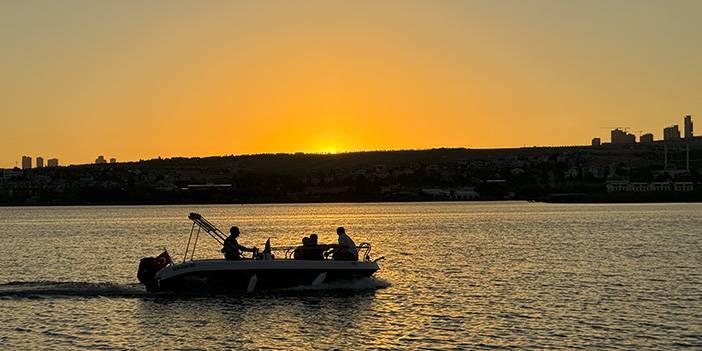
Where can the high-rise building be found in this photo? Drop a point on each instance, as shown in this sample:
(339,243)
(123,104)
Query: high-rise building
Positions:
(52,162)
(100,160)
(622,137)
(26,162)
(671,133)
(113,160)
(40,162)
(596,141)
(646,138)
(688,127)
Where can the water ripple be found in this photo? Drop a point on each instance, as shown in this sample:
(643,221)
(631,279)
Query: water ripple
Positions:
(457,276)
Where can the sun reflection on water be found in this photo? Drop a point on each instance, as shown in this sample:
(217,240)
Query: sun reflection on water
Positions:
(457,276)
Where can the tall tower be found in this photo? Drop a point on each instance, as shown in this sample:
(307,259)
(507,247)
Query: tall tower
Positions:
(688,127)
(26,162)
(671,133)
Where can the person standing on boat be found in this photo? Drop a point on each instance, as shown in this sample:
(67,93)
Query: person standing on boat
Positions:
(231,248)
(346,250)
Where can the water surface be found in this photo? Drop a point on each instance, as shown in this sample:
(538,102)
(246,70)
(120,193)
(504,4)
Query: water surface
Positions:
(457,276)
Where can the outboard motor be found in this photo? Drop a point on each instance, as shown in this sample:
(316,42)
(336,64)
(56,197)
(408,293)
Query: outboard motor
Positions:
(149,266)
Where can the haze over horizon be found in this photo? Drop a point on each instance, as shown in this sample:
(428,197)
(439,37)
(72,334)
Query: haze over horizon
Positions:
(177,78)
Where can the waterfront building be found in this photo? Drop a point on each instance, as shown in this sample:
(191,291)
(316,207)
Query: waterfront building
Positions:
(40,162)
(688,127)
(646,138)
(10,173)
(671,133)
(100,160)
(52,162)
(26,162)
(683,186)
(455,194)
(617,186)
(622,137)
(596,141)
(660,186)
(641,187)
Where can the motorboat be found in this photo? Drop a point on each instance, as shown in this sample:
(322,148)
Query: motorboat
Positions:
(259,272)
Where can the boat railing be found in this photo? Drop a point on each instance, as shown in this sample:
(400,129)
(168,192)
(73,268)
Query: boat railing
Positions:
(202,224)
(363,249)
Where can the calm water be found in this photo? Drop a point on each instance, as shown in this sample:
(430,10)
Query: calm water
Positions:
(457,276)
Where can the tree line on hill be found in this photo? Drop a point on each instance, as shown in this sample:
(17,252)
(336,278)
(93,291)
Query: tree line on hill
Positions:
(542,174)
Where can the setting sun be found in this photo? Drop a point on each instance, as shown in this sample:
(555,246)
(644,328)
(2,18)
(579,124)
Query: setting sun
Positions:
(329,150)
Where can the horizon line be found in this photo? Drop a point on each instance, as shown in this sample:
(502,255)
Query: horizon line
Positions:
(321,153)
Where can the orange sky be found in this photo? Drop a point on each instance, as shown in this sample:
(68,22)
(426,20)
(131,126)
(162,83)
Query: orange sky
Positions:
(182,78)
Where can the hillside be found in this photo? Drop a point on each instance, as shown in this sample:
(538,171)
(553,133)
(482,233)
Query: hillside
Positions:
(538,173)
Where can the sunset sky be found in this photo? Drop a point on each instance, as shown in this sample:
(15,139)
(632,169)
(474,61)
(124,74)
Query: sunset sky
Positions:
(137,80)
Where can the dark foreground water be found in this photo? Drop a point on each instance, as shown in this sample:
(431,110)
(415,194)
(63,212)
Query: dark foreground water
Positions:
(457,276)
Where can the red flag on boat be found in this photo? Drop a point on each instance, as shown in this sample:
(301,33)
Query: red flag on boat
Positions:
(163,259)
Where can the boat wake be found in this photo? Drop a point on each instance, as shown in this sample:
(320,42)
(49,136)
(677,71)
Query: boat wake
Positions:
(50,289)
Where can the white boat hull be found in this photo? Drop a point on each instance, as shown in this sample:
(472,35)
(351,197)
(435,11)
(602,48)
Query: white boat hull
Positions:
(231,277)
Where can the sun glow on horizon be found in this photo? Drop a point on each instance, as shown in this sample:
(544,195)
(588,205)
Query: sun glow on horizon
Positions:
(313,76)
(330,150)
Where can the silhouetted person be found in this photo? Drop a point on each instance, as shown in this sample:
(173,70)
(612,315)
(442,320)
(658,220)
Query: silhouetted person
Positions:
(346,250)
(300,252)
(231,248)
(315,251)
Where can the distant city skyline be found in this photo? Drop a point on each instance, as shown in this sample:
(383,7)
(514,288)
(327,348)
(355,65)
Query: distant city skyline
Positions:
(26,162)
(218,78)
(618,135)
(621,135)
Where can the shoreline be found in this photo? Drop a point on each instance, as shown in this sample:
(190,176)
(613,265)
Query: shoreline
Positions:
(543,201)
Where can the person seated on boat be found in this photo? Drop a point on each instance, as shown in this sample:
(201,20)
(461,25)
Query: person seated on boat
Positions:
(315,251)
(231,248)
(346,249)
(300,252)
